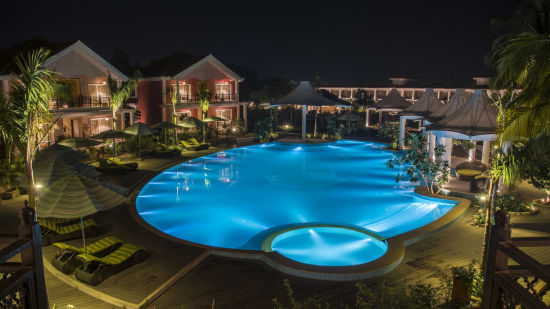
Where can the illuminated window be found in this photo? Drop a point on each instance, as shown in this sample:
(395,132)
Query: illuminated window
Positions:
(223,92)
(98,125)
(184,91)
(98,93)
(184,113)
(226,114)
(335,92)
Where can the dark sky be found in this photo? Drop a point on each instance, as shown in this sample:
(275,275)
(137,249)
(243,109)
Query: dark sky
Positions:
(342,41)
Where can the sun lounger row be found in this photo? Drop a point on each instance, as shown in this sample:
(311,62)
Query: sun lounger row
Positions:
(101,260)
(56,229)
(194,145)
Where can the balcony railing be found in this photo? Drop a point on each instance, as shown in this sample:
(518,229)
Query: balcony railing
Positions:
(215,97)
(79,102)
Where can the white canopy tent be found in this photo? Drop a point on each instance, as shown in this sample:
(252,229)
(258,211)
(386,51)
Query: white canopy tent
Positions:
(476,120)
(427,104)
(304,94)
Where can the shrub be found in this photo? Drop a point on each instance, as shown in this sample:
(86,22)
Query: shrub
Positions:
(262,128)
(390,132)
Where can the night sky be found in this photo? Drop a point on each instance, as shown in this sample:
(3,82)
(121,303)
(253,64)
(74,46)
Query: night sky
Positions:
(341,41)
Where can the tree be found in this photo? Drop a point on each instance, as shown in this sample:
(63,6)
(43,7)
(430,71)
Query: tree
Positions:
(419,166)
(10,126)
(174,101)
(31,90)
(521,59)
(118,95)
(204,101)
(390,132)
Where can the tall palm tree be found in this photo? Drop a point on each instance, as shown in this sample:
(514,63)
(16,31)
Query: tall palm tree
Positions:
(522,61)
(174,101)
(31,90)
(119,94)
(10,126)
(204,101)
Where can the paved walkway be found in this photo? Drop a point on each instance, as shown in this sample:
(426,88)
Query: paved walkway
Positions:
(247,284)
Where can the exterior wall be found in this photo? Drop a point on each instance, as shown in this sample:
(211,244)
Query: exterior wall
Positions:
(149,95)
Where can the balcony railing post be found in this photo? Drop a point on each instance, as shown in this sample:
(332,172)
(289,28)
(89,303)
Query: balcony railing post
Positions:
(32,256)
(496,260)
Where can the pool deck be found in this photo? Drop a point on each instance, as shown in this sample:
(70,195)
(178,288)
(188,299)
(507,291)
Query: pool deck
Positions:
(235,283)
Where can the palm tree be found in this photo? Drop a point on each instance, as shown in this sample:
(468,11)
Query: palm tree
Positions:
(118,95)
(31,90)
(174,101)
(10,126)
(204,101)
(522,61)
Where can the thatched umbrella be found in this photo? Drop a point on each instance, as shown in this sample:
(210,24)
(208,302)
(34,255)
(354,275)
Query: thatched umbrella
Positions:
(165,126)
(111,134)
(140,129)
(78,142)
(349,117)
(304,94)
(76,196)
(190,122)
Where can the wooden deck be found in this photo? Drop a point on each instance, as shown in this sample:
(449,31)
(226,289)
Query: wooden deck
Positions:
(248,284)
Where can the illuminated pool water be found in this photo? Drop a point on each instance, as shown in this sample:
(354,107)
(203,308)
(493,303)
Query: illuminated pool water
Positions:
(236,198)
(329,246)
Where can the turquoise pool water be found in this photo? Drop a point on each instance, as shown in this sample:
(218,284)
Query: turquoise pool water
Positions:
(329,246)
(236,198)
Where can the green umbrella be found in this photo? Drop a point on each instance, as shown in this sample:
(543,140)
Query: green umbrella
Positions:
(78,142)
(190,122)
(140,129)
(164,126)
(111,134)
(213,118)
(76,196)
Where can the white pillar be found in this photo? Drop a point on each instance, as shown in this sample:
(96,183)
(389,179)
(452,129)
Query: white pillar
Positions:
(402,123)
(472,152)
(303,122)
(448,149)
(245,117)
(486,152)
(368,118)
(431,145)
(380,113)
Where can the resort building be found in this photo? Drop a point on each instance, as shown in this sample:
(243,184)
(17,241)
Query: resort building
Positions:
(81,106)
(409,89)
(179,78)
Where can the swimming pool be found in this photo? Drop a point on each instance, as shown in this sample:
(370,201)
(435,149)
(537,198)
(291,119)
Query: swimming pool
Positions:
(236,198)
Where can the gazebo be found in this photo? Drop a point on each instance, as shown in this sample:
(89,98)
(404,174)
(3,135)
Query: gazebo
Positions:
(304,94)
(427,104)
(476,120)
(393,102)
(456,102)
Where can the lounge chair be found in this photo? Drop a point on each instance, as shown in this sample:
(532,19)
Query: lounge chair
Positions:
(114,166)
(188,146)
(199,146)
(65,260)
(94,269)
(57,230)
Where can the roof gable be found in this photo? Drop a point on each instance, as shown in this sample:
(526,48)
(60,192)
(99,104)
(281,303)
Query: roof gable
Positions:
(208,65)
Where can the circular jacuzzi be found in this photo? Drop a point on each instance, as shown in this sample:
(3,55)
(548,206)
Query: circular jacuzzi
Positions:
(329,246)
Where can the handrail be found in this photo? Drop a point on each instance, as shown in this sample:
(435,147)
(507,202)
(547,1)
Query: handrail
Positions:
(518,291)
(531,241)
(525,260)
(13,249)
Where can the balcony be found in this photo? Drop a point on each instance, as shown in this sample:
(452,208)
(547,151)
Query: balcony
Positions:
(214,98)
(80,102)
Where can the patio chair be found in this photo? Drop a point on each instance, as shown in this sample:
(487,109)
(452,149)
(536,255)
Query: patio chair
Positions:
(57,230)
(65,260)
(187,146)
(95,270)
(199,146)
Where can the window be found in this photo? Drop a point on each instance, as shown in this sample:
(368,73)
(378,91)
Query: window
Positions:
(226,114)
(99,125)
(223,92)
(380,94)
(99,93)
(335,92)
(184,91)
